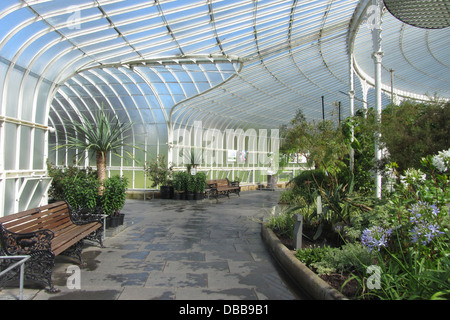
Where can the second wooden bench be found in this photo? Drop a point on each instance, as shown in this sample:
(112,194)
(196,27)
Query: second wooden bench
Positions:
(223,187)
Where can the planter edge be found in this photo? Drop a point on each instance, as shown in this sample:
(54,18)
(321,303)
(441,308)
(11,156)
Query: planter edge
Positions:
(304,278)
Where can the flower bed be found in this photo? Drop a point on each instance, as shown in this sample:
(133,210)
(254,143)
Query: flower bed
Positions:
(394,248)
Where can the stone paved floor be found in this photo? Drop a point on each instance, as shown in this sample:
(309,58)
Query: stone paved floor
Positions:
(183,250)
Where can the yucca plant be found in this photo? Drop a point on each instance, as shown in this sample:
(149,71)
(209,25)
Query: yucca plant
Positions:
(105,134)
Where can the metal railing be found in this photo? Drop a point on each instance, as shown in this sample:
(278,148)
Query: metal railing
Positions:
(20,263)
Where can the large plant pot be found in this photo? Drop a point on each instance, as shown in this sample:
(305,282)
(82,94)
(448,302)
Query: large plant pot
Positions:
(112,221)
(115,220)
(199,196)
(190,196)
(166,192)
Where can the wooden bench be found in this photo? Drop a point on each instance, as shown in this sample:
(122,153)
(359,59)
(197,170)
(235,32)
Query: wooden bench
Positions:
(223,187)
(44,233)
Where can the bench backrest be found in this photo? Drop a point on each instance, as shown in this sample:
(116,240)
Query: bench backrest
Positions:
(219,182)
(53,216)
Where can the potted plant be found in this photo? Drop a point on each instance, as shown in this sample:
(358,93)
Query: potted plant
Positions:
(80,190)
(113,199)
(192,160)
(161,175)
(190,187)
(200,185)
(178,185)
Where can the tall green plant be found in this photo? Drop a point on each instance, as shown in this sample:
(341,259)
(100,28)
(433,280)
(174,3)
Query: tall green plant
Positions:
(413,130)
(177,181)
(102,135)
(60,175)
(200,182)
(81,191)
(358,135)
(114,196)
(159,172)
(323,142)
(413,247)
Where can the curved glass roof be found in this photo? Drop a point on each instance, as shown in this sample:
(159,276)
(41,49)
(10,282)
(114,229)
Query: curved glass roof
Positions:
(165,64)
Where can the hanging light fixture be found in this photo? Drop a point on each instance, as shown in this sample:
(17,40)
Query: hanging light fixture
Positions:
(427,14)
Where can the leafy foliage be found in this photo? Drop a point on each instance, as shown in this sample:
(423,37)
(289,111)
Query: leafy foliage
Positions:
(159,172)
(102,135)
(406,233)
(113,198)
(322,142)
(79,187)
(200,181)
(413,130)
(81,191)
(180,180)
(282,223)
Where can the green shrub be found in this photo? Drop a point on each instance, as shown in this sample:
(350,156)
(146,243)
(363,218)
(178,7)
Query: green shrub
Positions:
(158,171)
(310,256)
(62,176)
(325,260)
(414,130)
(79,187)
(180,180)
(80,191)
(308,183)
(290,197)
(352,257)
(282,223)
(200,181)
(113,198)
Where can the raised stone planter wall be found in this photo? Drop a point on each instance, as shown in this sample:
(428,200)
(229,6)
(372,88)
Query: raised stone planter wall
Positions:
(303,277)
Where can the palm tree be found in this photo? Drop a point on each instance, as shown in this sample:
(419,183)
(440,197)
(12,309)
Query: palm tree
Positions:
(102,136)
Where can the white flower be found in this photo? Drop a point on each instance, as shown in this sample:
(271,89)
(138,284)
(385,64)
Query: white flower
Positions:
(442,160)
(412,175)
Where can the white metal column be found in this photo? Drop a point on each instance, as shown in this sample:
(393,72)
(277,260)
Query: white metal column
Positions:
(377,55)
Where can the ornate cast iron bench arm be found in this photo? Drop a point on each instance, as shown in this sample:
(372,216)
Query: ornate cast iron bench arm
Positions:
(25,243)
(37,245)
(86,216)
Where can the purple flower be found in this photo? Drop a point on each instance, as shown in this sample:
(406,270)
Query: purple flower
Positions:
(375,238)
(423,231)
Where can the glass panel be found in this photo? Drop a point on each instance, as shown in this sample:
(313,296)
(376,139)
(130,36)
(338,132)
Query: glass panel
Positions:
(9,23)
(27,100)
(25,151)
(139,180)
(41,105)
(39,147)
(13,89)
(11,136)
(51,148)
(10,196)
(27,189)
(129,175)
(41,190)
(26,35)
(3,68)
(115,161)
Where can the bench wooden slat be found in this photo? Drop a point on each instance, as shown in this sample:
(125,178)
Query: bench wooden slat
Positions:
(27,217)
(39,222)
(68,236)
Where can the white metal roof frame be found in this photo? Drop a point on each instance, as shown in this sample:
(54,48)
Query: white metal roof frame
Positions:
(165,64)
